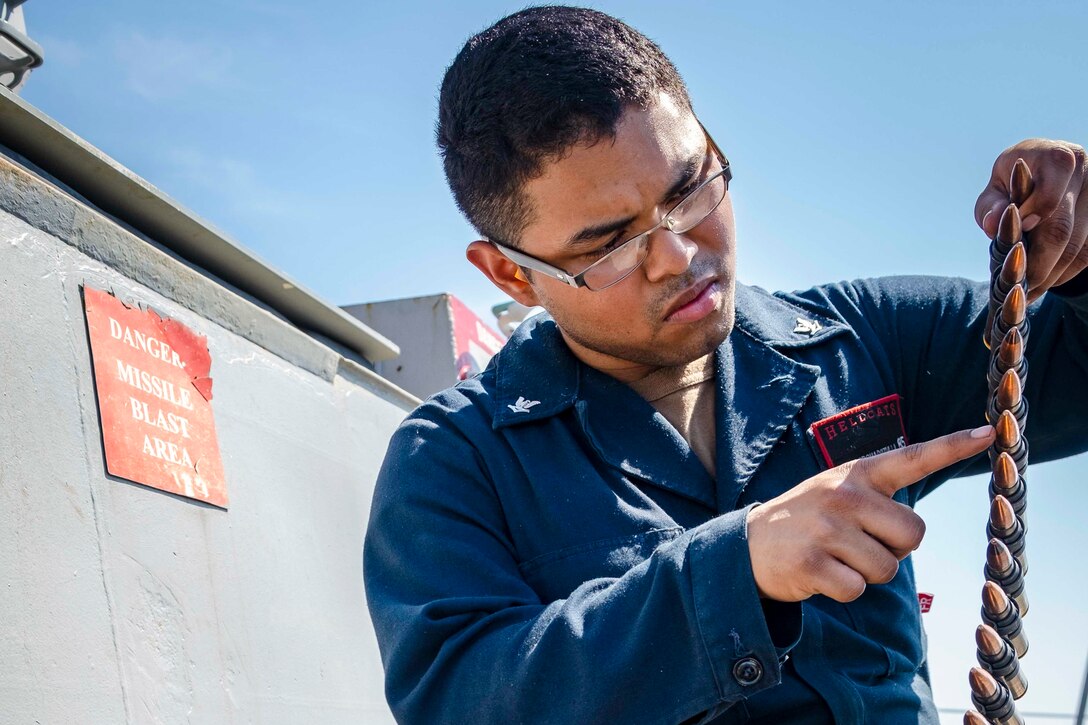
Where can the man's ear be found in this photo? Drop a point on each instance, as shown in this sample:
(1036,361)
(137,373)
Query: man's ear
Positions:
(503,273)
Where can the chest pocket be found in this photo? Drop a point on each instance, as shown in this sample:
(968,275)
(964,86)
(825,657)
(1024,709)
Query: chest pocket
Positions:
(556,574)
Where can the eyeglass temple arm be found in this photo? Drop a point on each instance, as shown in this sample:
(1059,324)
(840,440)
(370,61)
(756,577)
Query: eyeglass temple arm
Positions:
(524,260)
(714,147)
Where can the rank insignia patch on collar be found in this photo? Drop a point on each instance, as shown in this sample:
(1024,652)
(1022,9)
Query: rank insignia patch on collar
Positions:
(807,327)
(522,405)
(864,430)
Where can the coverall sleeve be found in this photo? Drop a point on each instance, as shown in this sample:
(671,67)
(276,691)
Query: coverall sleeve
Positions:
(465,639)
(929,332)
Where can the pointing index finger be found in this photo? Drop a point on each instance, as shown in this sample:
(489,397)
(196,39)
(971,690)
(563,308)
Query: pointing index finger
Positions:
(888,472)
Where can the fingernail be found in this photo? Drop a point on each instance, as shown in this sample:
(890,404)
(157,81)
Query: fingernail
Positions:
(987,216)
(983,432)
(1030,221)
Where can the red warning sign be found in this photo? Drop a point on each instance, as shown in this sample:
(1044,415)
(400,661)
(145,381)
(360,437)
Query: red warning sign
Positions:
(154,399)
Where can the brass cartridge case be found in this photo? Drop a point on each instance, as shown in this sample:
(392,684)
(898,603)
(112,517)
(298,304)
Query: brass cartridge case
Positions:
(996,657)
(999,612)
(1003,569)
(1009,529)
(992,698)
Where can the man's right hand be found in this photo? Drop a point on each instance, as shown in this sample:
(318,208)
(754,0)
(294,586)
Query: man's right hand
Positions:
(839,530)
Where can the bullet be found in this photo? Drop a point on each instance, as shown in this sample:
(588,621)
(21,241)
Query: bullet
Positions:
(1011,351)
(1009,232)
(1007,481)
(996,657)
(971,717)
(999,612)
(1003,569)
(1007,273)
(1009,396)
(992,698)
(1015,269)
(1008,432)
(1005,525)
(1001,514)
(1013,314)
(1010,356)
(1020,182)
(1014,310)
(982,683)
(1010,440)
(999,560)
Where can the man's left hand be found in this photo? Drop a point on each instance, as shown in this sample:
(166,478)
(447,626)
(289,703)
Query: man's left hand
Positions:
(1055,214)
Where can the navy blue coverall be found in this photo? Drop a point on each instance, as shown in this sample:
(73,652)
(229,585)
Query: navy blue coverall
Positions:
(543,546)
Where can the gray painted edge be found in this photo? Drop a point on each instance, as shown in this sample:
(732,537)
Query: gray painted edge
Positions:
(366,378)
(45,207)
(119,192)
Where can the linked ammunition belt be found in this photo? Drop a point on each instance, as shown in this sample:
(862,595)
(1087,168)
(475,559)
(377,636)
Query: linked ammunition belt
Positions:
(998,682)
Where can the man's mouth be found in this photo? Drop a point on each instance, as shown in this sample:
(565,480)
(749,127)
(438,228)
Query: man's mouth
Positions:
(696,302)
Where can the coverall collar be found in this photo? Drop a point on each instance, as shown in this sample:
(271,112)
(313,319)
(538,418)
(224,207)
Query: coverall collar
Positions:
(759,390)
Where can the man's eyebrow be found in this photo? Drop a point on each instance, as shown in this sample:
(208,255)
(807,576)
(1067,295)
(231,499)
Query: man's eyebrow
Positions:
(683,178)
(599,230)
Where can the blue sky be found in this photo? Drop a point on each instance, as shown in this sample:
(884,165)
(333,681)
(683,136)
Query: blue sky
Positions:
(860,135)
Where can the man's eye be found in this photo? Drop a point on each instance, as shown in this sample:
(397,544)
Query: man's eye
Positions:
(683,193)
(606,247)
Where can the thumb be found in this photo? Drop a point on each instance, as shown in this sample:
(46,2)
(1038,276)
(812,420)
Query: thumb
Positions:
(991,202)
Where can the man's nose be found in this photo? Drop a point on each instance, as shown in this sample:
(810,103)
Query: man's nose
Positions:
(670,254)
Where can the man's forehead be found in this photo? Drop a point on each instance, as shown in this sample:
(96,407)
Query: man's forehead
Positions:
(600,181)
(665,128)
(672,118)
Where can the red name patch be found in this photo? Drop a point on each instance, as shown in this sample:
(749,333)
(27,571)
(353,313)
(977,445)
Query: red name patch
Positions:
(864,430)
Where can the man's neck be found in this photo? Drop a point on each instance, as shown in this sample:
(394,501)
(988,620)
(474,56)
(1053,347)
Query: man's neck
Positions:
(623,370)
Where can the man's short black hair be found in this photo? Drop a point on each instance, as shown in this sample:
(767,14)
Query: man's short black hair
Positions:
(526,90)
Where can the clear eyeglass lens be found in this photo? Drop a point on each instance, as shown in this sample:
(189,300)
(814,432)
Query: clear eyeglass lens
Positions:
(688,214)
(618,264)
(697,207)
